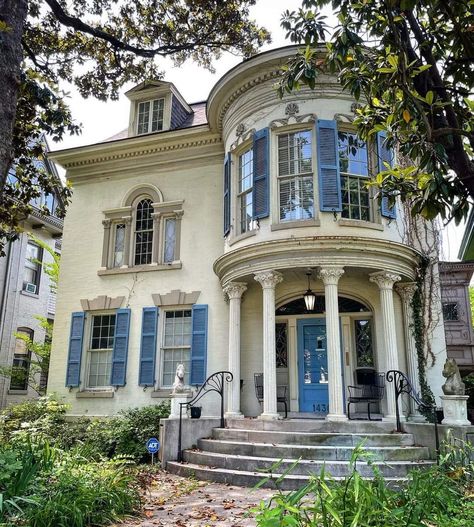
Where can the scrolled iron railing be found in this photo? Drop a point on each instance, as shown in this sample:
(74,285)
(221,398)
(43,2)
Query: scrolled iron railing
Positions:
(403,385)
(214,383)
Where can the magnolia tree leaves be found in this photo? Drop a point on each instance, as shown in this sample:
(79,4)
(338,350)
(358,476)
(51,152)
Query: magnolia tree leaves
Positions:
(409,65)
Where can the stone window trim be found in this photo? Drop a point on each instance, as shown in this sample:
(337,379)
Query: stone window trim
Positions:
(126,216)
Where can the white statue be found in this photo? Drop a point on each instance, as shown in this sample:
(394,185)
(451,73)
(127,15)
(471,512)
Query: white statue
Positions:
(178,385)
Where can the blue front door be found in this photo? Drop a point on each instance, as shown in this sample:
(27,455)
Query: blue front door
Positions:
(313,366)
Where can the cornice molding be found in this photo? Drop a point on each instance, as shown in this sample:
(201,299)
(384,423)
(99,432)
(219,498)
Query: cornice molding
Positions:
(317,251)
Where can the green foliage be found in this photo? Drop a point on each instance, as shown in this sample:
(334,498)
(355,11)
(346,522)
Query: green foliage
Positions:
(429,497)
(409,65)
(471,302)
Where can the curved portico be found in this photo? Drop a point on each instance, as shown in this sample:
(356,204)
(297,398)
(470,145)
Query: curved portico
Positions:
(337,264)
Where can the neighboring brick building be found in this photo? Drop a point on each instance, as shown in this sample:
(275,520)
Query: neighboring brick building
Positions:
(455,278)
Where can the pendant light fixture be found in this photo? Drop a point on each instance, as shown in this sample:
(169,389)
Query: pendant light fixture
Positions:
(309,296)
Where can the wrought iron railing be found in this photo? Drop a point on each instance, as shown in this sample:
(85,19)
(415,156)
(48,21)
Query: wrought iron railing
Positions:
(403,385)
(214,383)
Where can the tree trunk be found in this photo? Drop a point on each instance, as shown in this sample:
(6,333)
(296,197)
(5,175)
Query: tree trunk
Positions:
(13,14)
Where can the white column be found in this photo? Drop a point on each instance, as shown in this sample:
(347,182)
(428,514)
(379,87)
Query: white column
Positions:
(385,281)
(330,276)
(234,292)
(268,280)
(406,290)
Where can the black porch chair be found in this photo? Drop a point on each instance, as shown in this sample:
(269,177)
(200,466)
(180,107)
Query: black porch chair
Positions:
(281,392)
(370,389)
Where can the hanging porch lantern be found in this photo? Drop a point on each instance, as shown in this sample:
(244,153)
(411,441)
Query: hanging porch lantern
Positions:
(309,296)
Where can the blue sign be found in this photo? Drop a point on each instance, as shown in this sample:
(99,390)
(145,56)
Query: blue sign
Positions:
(153,445)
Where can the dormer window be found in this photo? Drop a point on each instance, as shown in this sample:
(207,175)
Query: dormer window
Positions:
(150,116)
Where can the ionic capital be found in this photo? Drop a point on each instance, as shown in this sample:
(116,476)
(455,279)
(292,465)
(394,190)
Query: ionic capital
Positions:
(330,274)
(384,279)
(268,279)
(406,290)
(235,289)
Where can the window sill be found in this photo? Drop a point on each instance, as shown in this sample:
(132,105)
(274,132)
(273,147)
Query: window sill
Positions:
(343,222)
(165,393)
(140,268)
(295,224)
(91,394)
(31,295)
(17,392)
(243,236)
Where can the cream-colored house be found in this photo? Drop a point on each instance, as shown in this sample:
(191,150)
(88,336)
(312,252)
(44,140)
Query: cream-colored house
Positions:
(193,236)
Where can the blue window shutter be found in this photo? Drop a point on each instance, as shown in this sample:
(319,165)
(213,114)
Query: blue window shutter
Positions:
(328,166)
(146,376)
(261,179)
(73,373)
(120,351)
(199,344)
(385,156)
(227,202)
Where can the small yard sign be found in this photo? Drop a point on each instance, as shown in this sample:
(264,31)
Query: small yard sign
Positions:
(153,446)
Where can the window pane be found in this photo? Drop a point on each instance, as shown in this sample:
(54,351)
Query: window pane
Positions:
(143,117)
(157,115)
(363,338)
(103,329)
(144,232)
(177,340)
(100,367)
(170,240)
(294,153)
(119,245)
(296,198)
(355,198)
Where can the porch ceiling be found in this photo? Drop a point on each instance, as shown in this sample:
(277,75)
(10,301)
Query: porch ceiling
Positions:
(361,254)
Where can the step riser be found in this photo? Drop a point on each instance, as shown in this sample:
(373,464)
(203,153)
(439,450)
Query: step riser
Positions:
(304,469)
(329,439)
(311,453)
(242,479)
(309,425)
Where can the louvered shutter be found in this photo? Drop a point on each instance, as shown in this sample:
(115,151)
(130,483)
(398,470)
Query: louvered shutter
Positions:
(261,180)
(120,351)
(73,373)
(199,344)
(146,375)
(328,166)
(227,166)
(385,155)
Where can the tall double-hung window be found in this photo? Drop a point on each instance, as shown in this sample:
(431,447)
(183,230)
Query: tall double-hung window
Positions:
(245,190)
(354,170)
(100,350)
(144,232)
(177,344)
(295,176)
(150,116)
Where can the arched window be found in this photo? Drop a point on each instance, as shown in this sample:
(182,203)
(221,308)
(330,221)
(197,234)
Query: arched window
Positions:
(143,232)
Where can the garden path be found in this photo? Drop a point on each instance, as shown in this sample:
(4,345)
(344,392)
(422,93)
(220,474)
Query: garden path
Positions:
(183,502)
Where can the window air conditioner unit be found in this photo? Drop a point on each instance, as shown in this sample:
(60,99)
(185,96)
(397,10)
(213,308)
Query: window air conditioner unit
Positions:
(30,288)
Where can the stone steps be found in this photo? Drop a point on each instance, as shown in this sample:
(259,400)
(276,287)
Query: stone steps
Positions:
(247,479)
(242,453)
(323,453)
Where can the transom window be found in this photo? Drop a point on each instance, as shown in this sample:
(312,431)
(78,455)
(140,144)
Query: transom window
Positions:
(245,190)
(144,232)
(150,116)
(176,345)
(354,169)
(100,350)
(295,176)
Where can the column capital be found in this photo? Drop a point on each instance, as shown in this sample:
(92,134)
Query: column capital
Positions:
(268,279)
(330,274)
(406,290)
(107,223)
(384,279)
(235,289)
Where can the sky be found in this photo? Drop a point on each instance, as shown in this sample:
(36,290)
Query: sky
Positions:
(101,120)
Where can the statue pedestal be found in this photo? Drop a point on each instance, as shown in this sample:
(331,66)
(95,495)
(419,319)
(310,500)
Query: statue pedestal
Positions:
(455,410)
(176,399)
